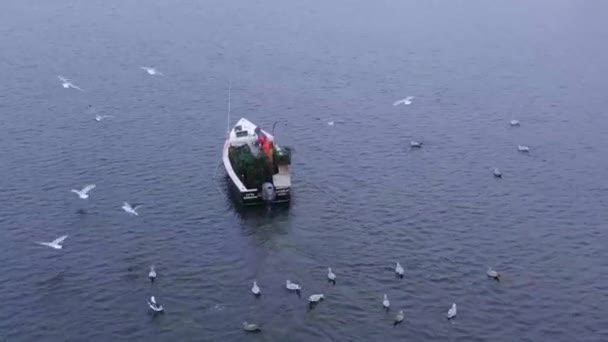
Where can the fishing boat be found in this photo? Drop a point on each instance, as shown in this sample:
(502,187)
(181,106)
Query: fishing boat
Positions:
(257,167)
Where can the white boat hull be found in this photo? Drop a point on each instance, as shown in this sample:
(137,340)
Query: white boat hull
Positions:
(247,196)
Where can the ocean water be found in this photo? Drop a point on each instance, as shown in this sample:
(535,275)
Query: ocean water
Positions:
(362,199)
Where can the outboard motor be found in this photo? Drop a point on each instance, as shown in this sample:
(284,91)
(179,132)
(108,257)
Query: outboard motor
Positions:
(268,192)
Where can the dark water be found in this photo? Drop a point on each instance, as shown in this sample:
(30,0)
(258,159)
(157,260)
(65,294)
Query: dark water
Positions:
(362,199)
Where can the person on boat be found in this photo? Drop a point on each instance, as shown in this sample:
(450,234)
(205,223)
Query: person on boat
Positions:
(262,138)
(267,145)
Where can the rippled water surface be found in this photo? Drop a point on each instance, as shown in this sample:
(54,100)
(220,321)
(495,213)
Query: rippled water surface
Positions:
(362,198)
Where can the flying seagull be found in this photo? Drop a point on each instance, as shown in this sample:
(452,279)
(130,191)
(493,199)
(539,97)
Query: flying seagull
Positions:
(331,276)
(56,244)
(250,327)
(152,274)
(255,289)
(405,101)
(84,193)
(98,117)
(452,311)
(514,123)
(156,307)
(152,71)
(399,317)
(493,274)
(399,270)
(130,209)
(67,84)
(497,173)
(385,302)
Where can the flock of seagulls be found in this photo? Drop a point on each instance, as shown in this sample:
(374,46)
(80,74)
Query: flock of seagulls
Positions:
(418,144)
(313,299)
(83,193)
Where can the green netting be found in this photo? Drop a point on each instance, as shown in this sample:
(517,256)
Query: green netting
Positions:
(253,170)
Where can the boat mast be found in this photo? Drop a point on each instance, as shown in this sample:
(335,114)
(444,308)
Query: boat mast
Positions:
(229,91)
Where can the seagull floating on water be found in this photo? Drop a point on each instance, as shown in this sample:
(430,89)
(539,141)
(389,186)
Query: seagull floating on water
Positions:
(56,244)
(292,286)
(154,305)
(399,317)
(399,270)
(331,276)
(67,84)
(452,311)
(493,274)
(152,71)
(255,289)
(250,327)
(84,193)
(497,173)
(98,118)
(415,144)
(514,123)
(315,298)
(405,101)
(152,274)
(330,123)
(523,148)
(130,209)
(385,302)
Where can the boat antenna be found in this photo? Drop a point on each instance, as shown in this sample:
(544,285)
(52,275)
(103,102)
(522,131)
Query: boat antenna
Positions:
(273,126)
(229,93)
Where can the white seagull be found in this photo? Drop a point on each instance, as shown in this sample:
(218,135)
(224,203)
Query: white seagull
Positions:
(514,123)
(292,286)
(154,305)
(152,274)
(385,302)
(152,71)
(84,193)
(399,270)
(523,148)
(452,311)
(405,101)
(56,244)
(399,317)
(130,209)
(67,84)
(330,123)
(415,144)
(331,276)
(493,274)
(250,327)
(255,289)
(497,173)
(315,298)
(98,117)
